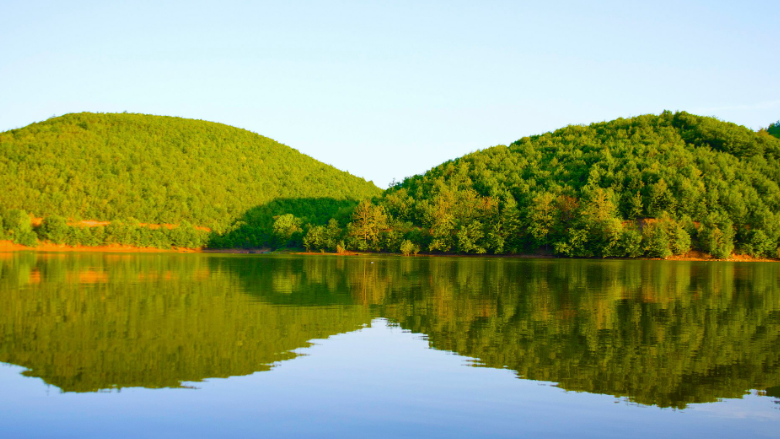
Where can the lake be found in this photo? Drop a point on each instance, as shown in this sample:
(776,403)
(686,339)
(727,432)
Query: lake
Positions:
(198,345)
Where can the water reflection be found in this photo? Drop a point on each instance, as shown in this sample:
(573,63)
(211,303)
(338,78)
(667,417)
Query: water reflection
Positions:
(149,321)
(660,333)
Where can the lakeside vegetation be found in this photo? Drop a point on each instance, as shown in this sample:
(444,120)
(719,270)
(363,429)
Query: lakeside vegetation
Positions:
(16,226)
(131,168)
(648,186)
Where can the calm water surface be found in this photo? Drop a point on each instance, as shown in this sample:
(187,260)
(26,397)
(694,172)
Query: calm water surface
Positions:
(121,345)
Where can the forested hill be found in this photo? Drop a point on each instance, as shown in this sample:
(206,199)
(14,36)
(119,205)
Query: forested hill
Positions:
(653,185)
(159,169)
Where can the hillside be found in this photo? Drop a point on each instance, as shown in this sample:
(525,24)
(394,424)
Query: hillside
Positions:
(653,185)
(165,170)
(648,186)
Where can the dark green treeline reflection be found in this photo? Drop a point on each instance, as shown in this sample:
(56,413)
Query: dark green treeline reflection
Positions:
(661,333)
(91,322)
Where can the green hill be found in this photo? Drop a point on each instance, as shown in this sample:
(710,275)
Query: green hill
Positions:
(653,185)
(158,169)
(646,186)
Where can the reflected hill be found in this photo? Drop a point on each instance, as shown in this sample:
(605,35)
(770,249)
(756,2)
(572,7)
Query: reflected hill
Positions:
(658,333)
(90,322)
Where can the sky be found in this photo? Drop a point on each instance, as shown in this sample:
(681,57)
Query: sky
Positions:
(386,90)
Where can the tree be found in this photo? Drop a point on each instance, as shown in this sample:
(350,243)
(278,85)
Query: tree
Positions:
(656,241)
(18,225)
(541,217)
(717,236)
(185,236)
(316,238)
(123,232)
(53,228)
(17,221)
(680,240)
(367,222)
(332,235)
(441,220)
(597,220)
(631,242)
(506,234)
(469,238)
(635,206)
(408,248)
(286,229)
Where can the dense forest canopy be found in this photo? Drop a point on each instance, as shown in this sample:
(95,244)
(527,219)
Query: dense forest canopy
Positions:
(157,169)
(653,185)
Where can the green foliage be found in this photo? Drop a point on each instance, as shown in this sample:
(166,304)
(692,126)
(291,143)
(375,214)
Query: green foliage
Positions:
(54,229)
(631,242)
(774,129)
(541,217)
(367,223)
(17,226)
(333,234)
(164,170)
(255,228)
(316,238)
(760,245)
(408,248)
(16,221)
(287,230)
(585,191)
(29,239)
(581,191)
(656,241)
(717,236)
(184,236)
(680,240)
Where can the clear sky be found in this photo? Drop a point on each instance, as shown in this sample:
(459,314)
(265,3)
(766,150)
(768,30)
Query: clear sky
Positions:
(389,89)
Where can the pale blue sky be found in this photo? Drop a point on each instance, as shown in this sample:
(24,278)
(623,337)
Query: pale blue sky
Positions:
(390,89)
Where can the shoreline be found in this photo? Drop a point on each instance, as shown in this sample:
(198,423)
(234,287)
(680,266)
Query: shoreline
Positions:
(693,256)
(8,246)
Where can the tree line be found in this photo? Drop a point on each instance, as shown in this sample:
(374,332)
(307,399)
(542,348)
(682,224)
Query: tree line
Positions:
(16,226)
